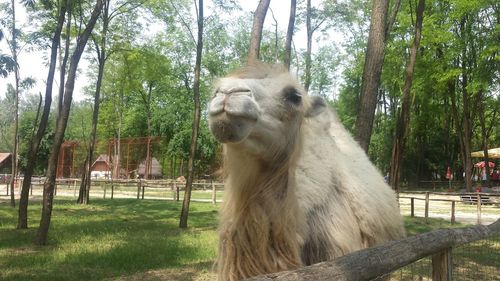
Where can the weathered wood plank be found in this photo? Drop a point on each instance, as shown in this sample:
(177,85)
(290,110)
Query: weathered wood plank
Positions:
(373,262)
(442,266)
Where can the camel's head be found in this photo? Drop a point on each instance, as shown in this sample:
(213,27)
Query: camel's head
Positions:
(260,108)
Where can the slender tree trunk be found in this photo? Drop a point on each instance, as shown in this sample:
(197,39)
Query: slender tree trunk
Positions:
(403,123)
(484,133)
(196,124)
(15,161)
(466,118)
(49,185)
(83,197)
(372,71)
(22,221)
(256,36)
(309,31)
(392,19)
(148,162)
(63,62)
(289,34)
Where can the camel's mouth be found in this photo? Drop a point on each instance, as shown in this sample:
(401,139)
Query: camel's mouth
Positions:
(232,116)
(227,128)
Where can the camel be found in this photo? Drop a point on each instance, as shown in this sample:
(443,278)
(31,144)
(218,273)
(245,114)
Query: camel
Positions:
(298,189)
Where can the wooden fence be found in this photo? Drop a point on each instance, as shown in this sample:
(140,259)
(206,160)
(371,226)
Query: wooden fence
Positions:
(72,185)
(476,198)
(379,261)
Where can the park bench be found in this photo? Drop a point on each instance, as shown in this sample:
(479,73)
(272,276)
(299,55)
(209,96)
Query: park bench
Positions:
(472,199)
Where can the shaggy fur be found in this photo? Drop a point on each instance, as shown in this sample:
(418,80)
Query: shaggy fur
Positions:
(299,190)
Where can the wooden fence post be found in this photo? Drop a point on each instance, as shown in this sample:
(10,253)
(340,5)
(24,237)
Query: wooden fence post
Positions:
(143,188)
(412,203)
(214,194)
(138,188)
(426,206)
(452,212)
(104,196)
(478,208)
(177,191)
(112,189)
(442,266)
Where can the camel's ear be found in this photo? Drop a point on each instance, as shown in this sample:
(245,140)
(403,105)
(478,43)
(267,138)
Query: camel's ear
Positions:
(318,105)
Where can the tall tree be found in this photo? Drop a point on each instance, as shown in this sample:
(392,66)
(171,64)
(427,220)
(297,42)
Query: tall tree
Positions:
(101,48)
(62,119)
(14,49)
(42,126)
(196,123)
(311,27)
(258,24)
(289,34)
(403,122)
(372,70)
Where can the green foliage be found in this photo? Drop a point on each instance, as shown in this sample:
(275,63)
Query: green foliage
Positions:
(26,131)
(147,86)
(457,41)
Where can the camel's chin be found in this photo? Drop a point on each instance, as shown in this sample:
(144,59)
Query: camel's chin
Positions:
(231,129)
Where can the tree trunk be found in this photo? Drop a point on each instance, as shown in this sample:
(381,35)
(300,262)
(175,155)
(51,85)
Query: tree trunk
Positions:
(392,19)
(485,137)
(82,194)
(196,123)
(49,185)
(309,31)
(289,34)
(15,160)
(372,71)
(83,197)
(466,118)
(403,123)
(256,36)
(22,221)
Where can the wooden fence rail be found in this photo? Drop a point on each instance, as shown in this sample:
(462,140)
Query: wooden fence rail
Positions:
(378,261)
(166,184)
(476,198)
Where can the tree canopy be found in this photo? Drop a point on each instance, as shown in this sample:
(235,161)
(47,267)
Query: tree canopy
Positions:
(147,84)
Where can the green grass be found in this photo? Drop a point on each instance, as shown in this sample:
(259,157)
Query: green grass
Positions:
(107,239)
(123,239)
(418,225)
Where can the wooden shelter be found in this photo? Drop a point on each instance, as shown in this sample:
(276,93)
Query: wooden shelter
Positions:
(101,166)
(5,163)
(154,169)
(126,152)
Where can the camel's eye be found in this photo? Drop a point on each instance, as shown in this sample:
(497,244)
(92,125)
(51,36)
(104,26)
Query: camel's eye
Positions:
(292,96)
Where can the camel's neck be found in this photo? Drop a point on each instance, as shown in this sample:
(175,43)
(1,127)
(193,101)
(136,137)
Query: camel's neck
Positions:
(252,180)
(259,218)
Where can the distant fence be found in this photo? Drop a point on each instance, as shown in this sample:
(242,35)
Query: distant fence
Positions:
(382,262)
(213,191)
(158,189)
(476,199)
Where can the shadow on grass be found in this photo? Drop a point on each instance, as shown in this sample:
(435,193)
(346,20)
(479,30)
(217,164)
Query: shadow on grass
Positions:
(110,238)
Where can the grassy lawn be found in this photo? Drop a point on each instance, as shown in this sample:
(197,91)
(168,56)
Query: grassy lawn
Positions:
(110,239)
(124,239)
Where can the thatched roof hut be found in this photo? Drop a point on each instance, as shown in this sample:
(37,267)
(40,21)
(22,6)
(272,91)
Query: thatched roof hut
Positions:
(155,168)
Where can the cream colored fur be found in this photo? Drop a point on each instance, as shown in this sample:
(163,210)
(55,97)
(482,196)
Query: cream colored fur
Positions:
(299,190)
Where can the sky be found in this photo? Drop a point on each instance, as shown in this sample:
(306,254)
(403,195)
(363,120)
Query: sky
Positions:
(33,64)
